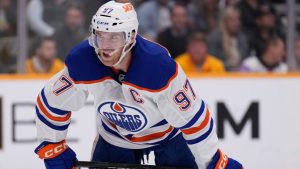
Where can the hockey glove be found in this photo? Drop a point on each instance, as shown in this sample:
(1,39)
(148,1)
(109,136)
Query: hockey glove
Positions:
(221,161)
(56,155)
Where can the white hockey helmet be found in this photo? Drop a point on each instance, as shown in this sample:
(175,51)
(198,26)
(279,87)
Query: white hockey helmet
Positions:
(114,17)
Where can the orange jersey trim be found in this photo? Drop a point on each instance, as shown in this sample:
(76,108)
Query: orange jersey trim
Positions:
(158,90)
(58,119)
(151,136)
(200,127)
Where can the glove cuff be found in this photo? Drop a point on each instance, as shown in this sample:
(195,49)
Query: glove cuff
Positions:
(222,161)
(47,150)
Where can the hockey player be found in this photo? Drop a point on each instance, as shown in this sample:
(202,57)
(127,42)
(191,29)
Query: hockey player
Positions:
(143,100)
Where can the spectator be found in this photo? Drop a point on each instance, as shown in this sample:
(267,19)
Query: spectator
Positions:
(137,3)
(229,43)
(225,3)
(8,55)
(174,37)
(72,32)
(269,59)
(44,16)
(44,60)
(90,8)
(205,14)
(154,16)
(248,10)
(196,58)
(266,27)
(7,18)
(8,41)
(297,52)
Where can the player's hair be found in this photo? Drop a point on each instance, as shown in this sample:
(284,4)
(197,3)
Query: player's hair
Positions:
(177,4)
(76,5)
(197,36)
(270,41)
(37,43)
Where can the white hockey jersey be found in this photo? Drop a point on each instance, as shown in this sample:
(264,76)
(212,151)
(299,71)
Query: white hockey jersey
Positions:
(151,103)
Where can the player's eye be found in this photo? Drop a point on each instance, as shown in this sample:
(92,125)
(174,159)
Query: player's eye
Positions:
(99,36)
(115,37)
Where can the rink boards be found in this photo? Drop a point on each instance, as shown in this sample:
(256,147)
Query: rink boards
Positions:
(257,118)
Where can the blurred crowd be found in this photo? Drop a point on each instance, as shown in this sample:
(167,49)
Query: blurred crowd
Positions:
(201,35)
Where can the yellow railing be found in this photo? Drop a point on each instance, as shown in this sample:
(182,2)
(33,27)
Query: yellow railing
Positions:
(24,76)
(244,75)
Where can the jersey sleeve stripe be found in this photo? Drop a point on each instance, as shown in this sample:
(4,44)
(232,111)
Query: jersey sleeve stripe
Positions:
(158,90)
(45,121)
(151,136)
(93,81)
(161,123)
(195,118)
(202,137)
(48,115)
(52,109)
(200,127)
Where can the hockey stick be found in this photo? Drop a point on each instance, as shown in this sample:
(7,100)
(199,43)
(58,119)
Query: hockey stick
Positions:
(105,165)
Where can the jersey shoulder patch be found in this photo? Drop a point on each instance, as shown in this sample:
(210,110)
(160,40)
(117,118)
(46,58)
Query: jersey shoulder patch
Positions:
(151,67)
(83,64)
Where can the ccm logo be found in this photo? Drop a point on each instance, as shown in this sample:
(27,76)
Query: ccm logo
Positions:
(55,150)
(222,163)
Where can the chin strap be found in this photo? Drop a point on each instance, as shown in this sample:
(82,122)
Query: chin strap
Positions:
(124,52)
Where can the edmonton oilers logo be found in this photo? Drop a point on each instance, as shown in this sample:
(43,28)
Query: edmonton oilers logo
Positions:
(126,117)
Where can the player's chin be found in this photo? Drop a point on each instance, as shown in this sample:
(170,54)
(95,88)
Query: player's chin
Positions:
(107,62)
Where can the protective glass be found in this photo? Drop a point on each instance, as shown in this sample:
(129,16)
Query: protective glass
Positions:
(109,40)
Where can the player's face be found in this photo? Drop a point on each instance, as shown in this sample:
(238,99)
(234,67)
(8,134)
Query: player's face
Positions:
(111,45)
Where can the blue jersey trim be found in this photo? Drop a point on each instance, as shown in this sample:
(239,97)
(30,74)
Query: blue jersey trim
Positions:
(84,65)
(161,123)
(111,131)
(204,136)
(52,109)
(195,118)
(151,66)
(49,124)
(43,144)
